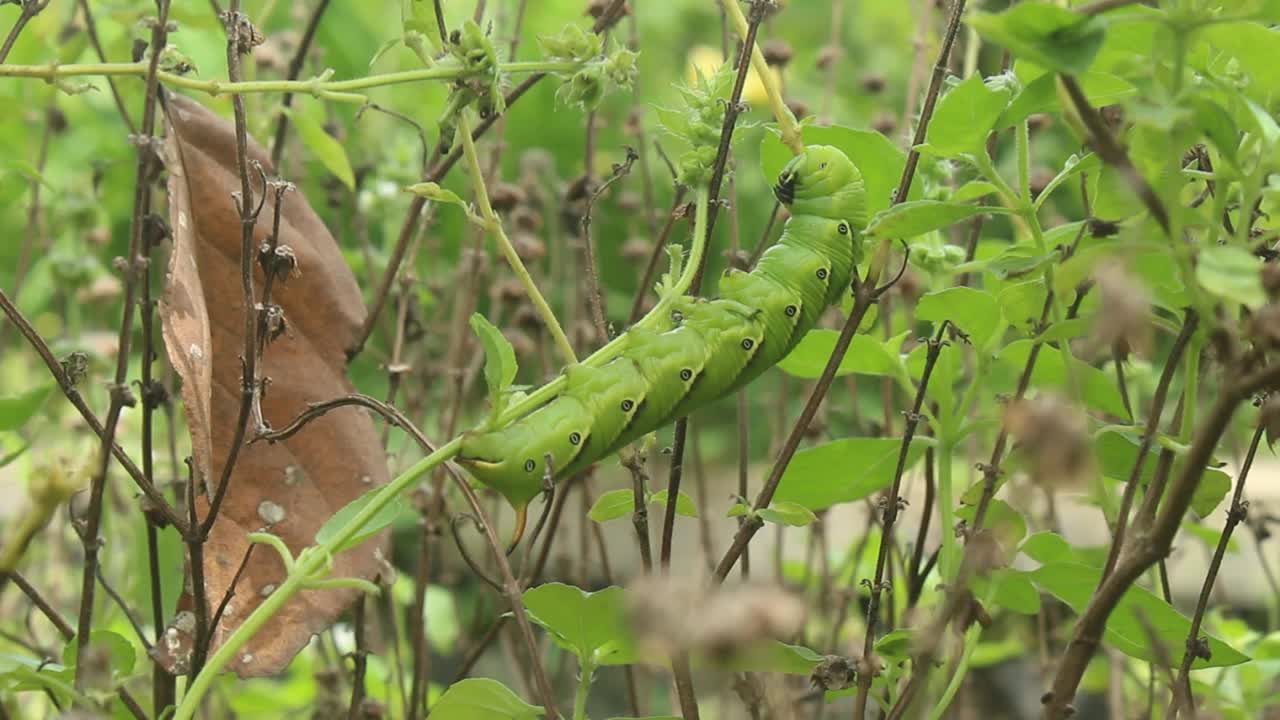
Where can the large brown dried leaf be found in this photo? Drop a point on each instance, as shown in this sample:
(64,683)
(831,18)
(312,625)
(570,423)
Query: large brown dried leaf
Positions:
(288,488)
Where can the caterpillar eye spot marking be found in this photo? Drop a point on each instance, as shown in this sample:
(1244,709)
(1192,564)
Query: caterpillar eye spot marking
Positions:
(791,310)
(530,465)
(627,405)
(686,374)
(822,273)
(575,438)
(748,343)
(843,228)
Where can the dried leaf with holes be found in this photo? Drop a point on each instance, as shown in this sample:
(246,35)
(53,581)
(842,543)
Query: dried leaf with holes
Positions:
(289,488)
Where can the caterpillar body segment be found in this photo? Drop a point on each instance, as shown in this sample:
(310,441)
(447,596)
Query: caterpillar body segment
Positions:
(703,350)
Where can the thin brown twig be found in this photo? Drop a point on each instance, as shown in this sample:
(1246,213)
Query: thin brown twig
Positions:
(119,389)
(30,9)
(295,69)
(890,510)
(606,21)
(864,297)
(91,29)
(594,296)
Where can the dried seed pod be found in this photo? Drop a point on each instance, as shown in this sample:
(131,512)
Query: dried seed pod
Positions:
(799,108)
(529,247)
(504,196)
(829,55)
(884,122)
(526,219)
(777,52)
(873,82)
(636,249)
(1054,436)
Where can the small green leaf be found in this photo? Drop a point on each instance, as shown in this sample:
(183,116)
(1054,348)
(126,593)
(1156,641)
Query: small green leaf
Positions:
(1011,590)
(499,362)
(684,503)
(326,147)
(612,505)
(973,190)
(16,410)
(964,117)
(842,471)
(1008,524)
(917,217)
(1232,273)
(119,650)
(590,625)
(1048,547)
(1098,388)
(433,191)
(1041,95)
(896,644)
(1044,33)
(788,513)
(975,312)
(381,519)
(867,355)
(739,510)
(474,698)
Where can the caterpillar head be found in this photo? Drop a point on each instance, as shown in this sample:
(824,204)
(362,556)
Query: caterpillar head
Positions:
(823,181)
(507,461)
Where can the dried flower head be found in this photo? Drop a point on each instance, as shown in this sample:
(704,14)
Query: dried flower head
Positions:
(1054,437)
(1123,323)
(672,615)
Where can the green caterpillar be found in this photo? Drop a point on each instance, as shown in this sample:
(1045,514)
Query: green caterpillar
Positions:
(702,351)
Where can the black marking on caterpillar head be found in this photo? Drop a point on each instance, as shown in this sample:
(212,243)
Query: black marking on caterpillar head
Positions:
(575,437)
(843,228)
(530,465)
(822,273)
(686,374)
(785,189)
(627,404)
(748,343)
(791,310)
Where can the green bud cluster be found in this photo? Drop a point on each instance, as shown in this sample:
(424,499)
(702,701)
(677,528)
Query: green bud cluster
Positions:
(599,72)
(699,123)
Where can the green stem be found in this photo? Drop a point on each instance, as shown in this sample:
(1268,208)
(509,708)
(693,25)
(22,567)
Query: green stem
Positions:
(587,669)
(958,675)
(333,89)
(308,564)
(696,252)
(949,561)
(786,121)
(504,244)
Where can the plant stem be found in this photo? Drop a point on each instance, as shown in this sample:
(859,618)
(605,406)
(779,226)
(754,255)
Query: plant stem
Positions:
(319,87)
(786,121)
(504,244)
(309,563)
(586,669)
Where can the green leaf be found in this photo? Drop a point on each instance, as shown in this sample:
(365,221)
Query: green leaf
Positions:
(382,519)
(773,656)
(482,698)
(1050,36)
(1074,584)
(612,505)
(16,410)
(1007,524)
(1218,126)
(1072,167)
(879,159)
(842,471)
(1041,95)
(684,503)
(917,217)
(499,362)
(1098,388)
(964,117)
(866,355)
(788,513)
(1049,547)
(896,644)
(973,190)
(1023,303)
(1255,48)
(433,191)
(1232,273)
(975,312)
(590,625)
(1010,589)
(1213,487)
(325,147)
(119,650)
